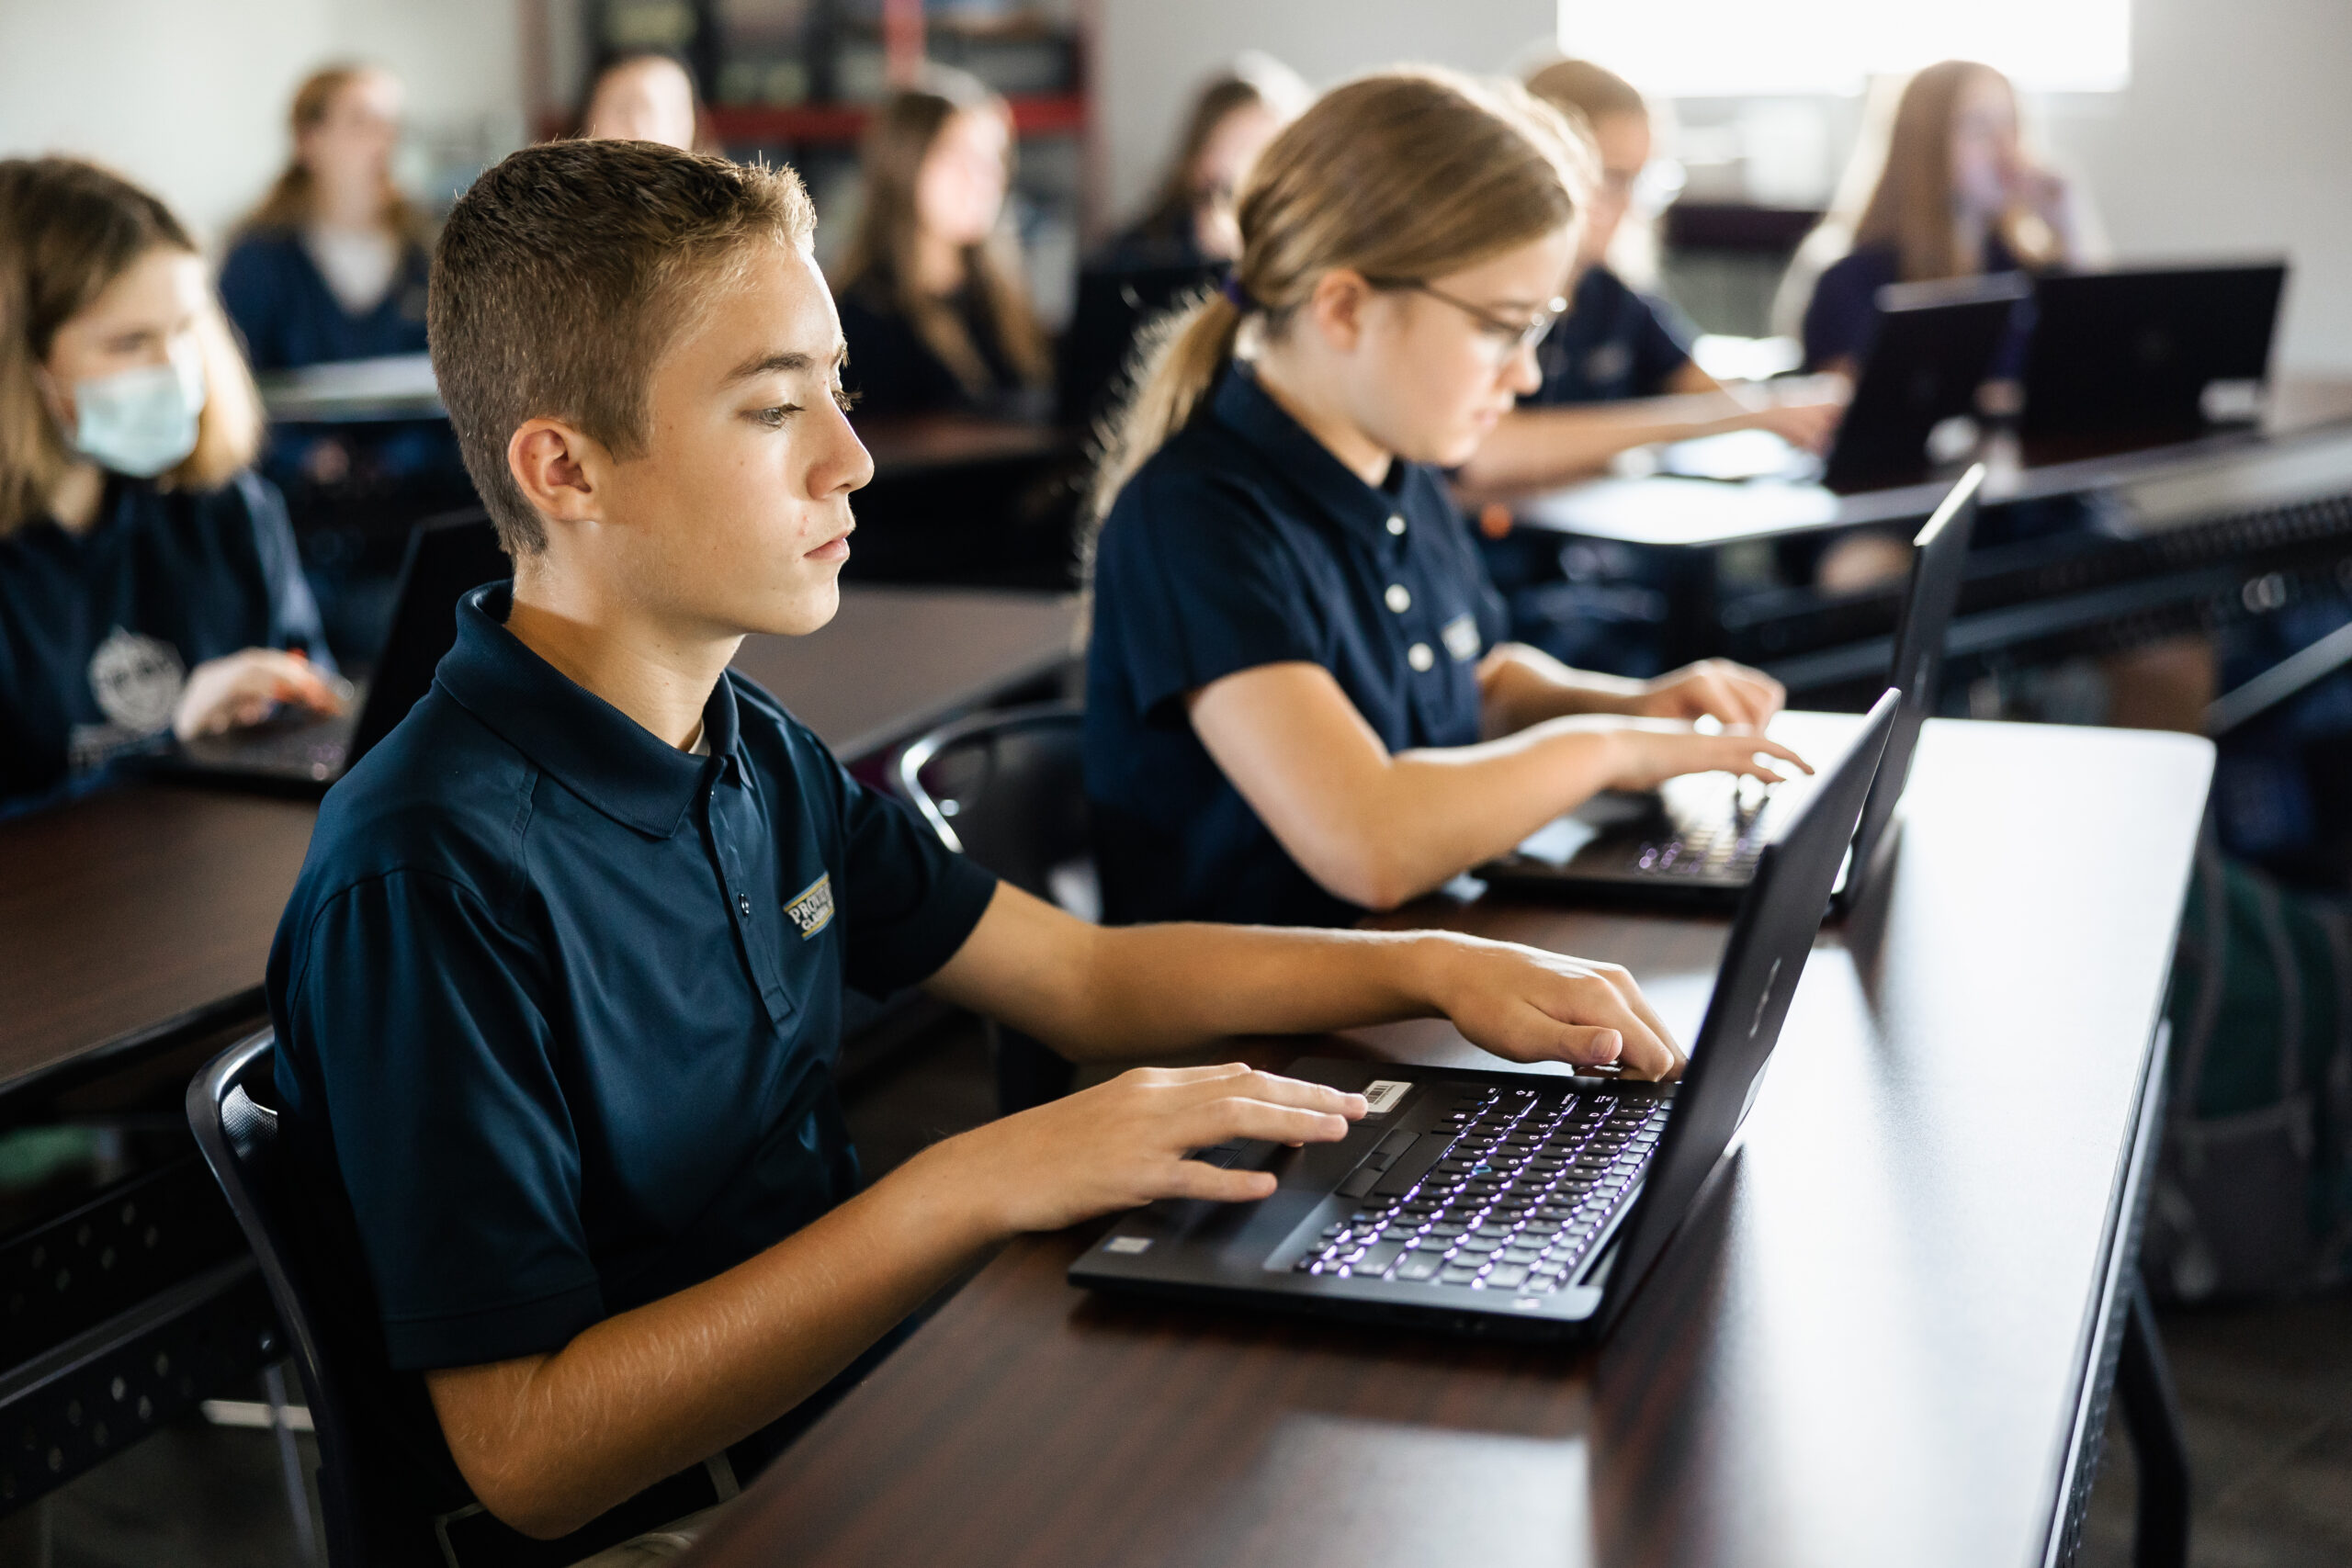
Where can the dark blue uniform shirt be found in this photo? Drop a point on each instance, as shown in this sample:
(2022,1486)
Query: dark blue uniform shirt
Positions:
(557,1005)
(1613,344)
(1842,315)
(1243,542)
(893,371)
(99,629)
(281,301)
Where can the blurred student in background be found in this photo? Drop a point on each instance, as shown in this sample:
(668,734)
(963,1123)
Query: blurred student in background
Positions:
(1189,222)
(1617,368)
(1301,699)
(148,579)
(643,96)
(333,266)
(933,299)
(1951,193)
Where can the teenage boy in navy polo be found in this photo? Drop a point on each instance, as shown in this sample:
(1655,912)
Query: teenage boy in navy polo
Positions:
(557,996)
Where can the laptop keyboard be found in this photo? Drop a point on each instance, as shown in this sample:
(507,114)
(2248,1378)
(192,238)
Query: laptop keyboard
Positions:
(1508,1194)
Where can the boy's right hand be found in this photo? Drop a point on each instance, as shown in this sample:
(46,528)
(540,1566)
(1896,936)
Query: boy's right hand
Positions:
(1644,754)
(1121,1144)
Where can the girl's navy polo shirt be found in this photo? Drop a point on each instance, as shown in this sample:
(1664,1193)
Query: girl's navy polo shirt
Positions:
(1243,542)
(557,1005)
(99,629)
(1613,344)
(1842,315)
(290,317)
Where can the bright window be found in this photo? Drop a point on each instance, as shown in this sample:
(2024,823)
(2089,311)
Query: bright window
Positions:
(1760,48)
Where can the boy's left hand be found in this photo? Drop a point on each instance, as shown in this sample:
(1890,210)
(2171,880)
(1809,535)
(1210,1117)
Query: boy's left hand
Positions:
(1527,1005)
(1713,688)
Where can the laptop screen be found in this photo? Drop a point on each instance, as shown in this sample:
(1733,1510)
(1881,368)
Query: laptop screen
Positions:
(1762,961)
(446,556)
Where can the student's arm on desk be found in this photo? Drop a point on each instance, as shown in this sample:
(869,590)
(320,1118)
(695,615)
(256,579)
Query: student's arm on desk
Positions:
(1378,828)
(1537,449)
(549,1441)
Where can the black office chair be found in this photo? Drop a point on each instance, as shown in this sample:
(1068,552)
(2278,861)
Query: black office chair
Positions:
(1007,788)
(237,1131)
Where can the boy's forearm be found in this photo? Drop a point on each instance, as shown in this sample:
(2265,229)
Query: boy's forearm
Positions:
(1173,987)
(549,1442)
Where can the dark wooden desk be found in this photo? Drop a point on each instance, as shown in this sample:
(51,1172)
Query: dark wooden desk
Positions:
(142,915)
(1881,1341)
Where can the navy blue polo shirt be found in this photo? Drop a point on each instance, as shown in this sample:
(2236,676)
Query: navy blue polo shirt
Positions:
(1244,542)
(894,372)
(557,1005)
(99,629)
(290,317)
(1613,344)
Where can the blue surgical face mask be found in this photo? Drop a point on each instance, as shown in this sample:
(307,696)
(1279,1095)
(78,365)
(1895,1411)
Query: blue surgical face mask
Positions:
(140,422)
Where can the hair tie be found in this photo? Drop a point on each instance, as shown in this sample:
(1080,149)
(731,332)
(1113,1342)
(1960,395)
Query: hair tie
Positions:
(1237,295)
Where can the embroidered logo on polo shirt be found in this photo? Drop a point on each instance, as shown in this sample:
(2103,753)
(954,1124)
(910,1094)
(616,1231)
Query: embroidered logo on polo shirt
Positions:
(813,908)
(1460,635)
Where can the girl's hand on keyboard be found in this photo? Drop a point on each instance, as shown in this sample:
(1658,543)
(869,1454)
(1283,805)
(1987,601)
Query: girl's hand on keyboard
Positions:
(1713,688)
(1647,753)
(1123,1144)
(1530,1006)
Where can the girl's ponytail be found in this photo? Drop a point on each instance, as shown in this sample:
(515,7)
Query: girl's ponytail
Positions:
(1410,174)
(1177,358)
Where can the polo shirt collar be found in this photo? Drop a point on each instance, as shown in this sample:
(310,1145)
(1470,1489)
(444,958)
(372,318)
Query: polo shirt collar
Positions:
(1242,406)
(597,751)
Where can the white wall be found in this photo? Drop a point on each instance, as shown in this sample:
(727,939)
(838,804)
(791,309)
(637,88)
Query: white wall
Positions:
(189,97)
(2235,136)
(1152,53)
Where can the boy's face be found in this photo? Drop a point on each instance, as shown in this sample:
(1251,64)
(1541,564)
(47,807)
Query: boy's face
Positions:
(737,508)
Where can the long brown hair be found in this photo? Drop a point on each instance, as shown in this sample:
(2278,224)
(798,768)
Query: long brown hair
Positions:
(1251,81)
(880,258)
(67,230)
(1412,172)
(1910,208)
(293,198)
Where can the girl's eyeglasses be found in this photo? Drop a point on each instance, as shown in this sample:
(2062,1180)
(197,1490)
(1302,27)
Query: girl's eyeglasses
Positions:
(1508,336)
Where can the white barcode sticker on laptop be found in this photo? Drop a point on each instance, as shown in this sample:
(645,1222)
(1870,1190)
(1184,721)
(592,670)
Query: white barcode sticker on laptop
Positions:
(1381,1095)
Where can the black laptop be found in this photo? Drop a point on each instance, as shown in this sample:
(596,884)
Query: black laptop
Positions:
(1935,345)
(306,752)
(1697,839)
(2123,358)
(1509,1202)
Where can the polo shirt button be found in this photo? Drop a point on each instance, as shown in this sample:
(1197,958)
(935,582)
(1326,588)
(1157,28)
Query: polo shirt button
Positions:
(1396,525)
(743,900)
(1420,657)
(1399,597)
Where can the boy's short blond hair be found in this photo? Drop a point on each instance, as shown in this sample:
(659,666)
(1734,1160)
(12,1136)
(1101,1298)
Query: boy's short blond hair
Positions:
(565,273)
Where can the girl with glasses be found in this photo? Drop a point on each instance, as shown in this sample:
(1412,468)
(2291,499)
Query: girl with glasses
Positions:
(1300,700)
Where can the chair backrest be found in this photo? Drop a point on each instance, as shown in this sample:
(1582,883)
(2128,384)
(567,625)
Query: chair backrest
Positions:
(1009,790)
(238,1134)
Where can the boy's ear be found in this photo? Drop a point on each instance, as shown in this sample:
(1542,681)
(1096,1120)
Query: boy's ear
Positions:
(555,466)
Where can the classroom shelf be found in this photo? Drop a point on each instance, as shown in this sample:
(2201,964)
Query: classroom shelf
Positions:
(1055,113)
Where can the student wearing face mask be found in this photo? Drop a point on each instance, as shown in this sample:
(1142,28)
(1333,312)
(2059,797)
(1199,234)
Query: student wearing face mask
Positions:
(932,301)
(148,579)
(1300,700)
